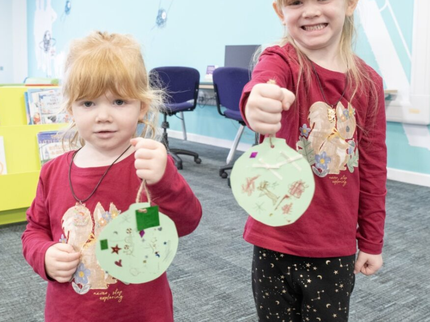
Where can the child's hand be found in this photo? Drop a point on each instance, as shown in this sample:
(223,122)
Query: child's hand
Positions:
(61,262)
(151,159)
(265,105)
(367,264)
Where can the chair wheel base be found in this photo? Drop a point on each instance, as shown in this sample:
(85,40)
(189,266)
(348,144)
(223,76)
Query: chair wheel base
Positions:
(223,174)
(178,161)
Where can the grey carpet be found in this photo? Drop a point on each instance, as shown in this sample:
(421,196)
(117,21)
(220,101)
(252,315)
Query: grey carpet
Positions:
(210,276)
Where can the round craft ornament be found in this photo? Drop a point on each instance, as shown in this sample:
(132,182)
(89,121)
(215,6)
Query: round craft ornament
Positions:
(137,247)
(273,183)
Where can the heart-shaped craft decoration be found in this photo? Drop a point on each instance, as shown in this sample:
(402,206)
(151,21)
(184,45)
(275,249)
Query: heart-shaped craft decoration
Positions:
(137,246)
(273,183)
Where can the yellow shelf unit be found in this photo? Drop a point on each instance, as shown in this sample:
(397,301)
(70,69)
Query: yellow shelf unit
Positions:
(18,186)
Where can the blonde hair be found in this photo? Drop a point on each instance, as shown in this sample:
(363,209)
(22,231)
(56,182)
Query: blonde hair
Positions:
(104,62)
(356,75)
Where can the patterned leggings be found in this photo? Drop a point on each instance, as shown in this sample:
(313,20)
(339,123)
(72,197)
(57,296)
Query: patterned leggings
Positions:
(294,289)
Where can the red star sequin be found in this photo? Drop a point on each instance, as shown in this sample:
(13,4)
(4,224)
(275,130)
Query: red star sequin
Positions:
(116,249)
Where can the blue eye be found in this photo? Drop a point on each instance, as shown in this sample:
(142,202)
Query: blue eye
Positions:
(119,102)
(87,104)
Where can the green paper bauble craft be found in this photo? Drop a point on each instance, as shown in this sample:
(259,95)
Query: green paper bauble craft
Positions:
(137,246)
(273,183)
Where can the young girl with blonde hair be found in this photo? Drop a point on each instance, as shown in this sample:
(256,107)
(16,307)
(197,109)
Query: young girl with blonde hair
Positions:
(315,93)
(106,90)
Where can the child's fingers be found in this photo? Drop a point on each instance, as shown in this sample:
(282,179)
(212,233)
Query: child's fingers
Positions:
(142,163)
(67,266)
(372,265)
(142,143)
(359,263)
(271,98)
(71,257)
(271,91)
(134,141)
(62,278)
(269,105)
(66,253)
(267,117)
(61,261)
(151,164)
(265,128)
(288,99)
(153,153)
(67,248)
(139,143)
(368,270)
(149,174)
(367,264)
(144,154)
(144,173)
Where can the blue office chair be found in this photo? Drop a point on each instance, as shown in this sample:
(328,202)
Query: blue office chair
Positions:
(228,86)
(182,87)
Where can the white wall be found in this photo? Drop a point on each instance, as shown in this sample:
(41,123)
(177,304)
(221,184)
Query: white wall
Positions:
(19,41)
(6,62)
(13,41)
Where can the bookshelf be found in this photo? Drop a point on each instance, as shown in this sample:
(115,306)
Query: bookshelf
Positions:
(18,186)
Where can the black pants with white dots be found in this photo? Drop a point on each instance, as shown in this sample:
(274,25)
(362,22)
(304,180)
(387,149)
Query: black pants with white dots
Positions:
(294,289)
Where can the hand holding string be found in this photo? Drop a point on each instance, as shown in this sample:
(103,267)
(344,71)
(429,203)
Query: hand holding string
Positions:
(61,261)
(151,159)
(265,105)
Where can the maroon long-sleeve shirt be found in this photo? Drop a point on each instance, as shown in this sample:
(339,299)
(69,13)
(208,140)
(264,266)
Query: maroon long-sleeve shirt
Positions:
(110,300)
(348,142)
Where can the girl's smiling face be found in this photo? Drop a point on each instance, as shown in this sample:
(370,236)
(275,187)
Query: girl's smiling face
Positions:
(315,24)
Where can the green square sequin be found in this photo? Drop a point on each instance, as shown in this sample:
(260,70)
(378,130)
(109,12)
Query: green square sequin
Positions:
(104,244)
(147,219)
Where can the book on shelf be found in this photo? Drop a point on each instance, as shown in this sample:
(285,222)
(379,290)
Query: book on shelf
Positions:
(51,145)
(27,109)
(3,168)
(44,106)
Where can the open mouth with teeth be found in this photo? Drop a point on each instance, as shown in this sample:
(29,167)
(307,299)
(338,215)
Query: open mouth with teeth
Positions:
(315,27)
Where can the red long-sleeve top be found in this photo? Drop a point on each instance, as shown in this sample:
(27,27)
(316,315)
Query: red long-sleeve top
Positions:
(349,167)
(115,301)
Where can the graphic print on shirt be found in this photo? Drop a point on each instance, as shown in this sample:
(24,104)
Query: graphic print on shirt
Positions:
(81,232)
(328,141)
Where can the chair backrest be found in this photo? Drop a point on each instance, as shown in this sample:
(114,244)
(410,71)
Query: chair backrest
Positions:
(180,83)
(228,86)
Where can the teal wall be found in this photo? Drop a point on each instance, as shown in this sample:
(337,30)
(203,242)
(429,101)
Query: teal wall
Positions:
(195,35)
(401,155)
